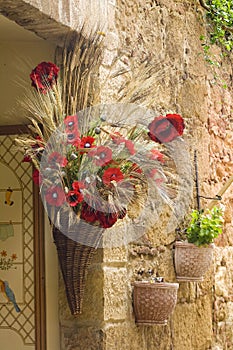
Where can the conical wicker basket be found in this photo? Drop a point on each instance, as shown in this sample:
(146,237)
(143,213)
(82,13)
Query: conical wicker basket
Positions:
(192,262)
(74,260)
(154,302)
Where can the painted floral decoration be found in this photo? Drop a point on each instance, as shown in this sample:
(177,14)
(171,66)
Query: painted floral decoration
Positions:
(7,262)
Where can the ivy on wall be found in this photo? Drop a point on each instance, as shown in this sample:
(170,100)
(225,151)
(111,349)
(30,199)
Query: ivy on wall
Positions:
(220,16)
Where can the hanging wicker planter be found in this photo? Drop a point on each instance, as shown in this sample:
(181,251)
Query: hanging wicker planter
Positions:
(192,262)
(74,259)
(154,302)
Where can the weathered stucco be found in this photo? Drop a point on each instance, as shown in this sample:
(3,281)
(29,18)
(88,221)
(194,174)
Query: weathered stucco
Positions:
(168,32)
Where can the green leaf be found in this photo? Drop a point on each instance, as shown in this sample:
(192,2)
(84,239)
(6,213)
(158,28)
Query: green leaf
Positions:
(204,227)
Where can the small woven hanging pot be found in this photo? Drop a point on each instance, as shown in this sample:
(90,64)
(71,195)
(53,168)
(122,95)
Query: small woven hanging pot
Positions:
(192,262)
(154,302)
(74,260)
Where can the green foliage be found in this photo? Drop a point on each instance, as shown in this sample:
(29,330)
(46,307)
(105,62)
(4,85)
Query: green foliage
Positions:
(204,227)
(220,14)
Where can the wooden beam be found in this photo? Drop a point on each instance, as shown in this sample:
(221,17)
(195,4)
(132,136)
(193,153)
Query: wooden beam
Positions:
(221,192)
(14,129)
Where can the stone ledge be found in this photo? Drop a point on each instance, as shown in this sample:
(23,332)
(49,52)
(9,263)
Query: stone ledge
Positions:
(32,19)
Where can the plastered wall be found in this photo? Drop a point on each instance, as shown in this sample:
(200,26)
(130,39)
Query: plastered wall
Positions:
(18,58)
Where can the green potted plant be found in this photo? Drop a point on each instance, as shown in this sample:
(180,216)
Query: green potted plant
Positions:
(193,256)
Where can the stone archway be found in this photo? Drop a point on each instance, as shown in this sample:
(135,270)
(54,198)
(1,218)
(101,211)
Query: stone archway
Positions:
(35,19)
(53,19)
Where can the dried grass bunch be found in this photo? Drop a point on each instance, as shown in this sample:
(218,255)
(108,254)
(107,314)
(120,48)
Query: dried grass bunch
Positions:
(94,160)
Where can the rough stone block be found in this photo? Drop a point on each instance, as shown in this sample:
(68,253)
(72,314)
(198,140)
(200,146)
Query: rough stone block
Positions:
(115,293)
(127,336)
(192,319)
(92,310)
(83,338)
(115,254)
(121,336)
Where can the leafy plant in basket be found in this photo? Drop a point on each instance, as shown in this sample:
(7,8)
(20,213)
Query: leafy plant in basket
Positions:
(95,171)
(204,226)
(193,257)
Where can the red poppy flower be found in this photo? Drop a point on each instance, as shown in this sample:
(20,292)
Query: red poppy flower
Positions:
(107,220)
(56,159)
(44,76)
(165,129)
(78,185)
(117,138)
(88,213)
(71,129)
(71,123)
(112,174)
(76,142)
(87,142)
(130,146)
(13,256)
(3,253)
(73,138)
(74,197)
(55,196)
(156,155)
(102,155)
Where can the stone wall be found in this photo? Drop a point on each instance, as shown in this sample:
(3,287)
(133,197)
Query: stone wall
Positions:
(166,31)
(220,133)
(170,31)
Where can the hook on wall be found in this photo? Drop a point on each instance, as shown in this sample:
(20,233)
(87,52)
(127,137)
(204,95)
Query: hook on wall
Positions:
(198,196)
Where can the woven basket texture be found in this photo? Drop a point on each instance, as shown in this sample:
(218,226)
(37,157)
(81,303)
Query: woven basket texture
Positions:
(192,262)
(74,260)
(154,302)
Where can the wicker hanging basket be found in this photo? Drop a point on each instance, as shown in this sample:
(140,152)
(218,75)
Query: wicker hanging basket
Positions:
(192,262)
(74,259)
(154,302)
